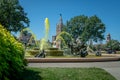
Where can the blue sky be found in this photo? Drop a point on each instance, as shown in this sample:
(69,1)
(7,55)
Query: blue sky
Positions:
(37,10)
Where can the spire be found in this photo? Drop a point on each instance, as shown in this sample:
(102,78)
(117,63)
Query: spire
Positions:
(59,25)
(61,21)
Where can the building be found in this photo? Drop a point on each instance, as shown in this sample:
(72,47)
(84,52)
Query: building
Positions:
(108,38)
(27,38)
(59,27)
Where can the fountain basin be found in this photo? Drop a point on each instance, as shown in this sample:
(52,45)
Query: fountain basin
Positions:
(33,52)
(53,52)
(52,48)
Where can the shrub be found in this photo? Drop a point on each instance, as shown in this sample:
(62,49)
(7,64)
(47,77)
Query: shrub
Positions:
(12,61)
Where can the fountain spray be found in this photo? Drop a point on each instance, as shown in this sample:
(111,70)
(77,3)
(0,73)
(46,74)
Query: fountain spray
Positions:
(45,39)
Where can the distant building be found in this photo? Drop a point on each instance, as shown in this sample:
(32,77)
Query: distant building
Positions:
(108,38)
(27,38)
(59,27)
(53,38)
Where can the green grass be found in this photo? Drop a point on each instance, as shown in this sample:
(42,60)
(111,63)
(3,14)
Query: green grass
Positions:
(66,74)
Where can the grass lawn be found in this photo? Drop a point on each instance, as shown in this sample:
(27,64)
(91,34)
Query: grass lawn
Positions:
(66,74)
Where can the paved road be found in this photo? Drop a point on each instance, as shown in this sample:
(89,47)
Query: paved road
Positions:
(112,67)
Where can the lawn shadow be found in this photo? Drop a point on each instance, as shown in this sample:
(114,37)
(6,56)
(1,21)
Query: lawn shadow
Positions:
(29,74)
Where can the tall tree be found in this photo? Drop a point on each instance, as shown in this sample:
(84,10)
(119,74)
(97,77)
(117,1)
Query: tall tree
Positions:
(12,15)
(113,44)
(86,27)
(93,30)
(75,25)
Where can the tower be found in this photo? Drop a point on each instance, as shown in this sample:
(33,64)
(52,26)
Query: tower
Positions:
(59,25)
(108,38)
(58,31)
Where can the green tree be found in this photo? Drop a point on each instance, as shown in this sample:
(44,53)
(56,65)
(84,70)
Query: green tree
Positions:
(12,15)
(75,25)
(113,44)
(86,27)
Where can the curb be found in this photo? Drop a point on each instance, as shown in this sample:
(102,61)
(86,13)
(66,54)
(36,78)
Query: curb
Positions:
(62,60)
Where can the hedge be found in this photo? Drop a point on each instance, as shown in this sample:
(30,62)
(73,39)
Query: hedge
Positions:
(12,61)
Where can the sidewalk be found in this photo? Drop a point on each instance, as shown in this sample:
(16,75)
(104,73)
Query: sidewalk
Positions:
(114,71)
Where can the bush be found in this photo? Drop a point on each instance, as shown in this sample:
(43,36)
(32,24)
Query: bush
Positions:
(12,61)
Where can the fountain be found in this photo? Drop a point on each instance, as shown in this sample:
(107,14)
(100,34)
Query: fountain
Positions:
(50,51)
(45,39)
(27,37)
(61,38)
(65,48)
(43,48)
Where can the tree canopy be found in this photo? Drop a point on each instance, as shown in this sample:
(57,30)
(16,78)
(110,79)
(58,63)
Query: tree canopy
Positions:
(86,27)
(113,44)
(12,15)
